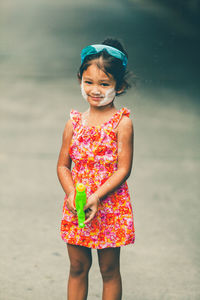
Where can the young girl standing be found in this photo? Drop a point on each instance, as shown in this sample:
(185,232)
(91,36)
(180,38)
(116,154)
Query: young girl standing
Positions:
(100,143)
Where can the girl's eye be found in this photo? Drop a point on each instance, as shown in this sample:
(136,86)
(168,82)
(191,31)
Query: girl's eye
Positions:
(105,84)
(88,82)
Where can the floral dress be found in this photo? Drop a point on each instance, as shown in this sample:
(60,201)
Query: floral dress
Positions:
(94,152)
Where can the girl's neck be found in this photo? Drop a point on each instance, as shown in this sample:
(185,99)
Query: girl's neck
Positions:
(101,109)
(96,116)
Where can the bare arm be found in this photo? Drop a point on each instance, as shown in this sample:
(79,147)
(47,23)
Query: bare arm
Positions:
(64,161)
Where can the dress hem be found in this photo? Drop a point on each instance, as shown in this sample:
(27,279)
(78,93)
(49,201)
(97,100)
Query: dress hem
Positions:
(101,247)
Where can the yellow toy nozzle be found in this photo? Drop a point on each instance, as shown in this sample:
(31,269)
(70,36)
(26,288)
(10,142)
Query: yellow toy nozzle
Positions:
(80,201)
(80,187)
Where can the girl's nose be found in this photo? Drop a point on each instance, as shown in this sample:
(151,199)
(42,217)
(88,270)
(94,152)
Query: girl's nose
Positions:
(96,91)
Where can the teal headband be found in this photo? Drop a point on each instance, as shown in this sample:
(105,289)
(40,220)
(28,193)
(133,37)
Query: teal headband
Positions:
(94,49)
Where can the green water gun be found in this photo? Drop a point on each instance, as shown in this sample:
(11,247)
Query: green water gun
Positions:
(80,201)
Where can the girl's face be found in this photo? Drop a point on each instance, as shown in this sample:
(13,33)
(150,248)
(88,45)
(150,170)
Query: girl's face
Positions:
(96,87)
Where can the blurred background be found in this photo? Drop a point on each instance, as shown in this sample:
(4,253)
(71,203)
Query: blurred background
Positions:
(40,44)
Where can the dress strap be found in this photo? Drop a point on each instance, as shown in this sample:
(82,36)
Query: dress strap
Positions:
(114,121)
(75,117)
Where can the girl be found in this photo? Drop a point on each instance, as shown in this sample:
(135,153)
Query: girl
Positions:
(100,143)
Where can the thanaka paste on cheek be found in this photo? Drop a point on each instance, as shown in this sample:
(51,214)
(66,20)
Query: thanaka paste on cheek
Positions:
(109,97)
(83,91)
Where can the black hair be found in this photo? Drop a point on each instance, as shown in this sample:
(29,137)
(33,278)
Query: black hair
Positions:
(109,65)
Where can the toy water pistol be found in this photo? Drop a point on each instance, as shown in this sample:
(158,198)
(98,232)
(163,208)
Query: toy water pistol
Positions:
(80,201)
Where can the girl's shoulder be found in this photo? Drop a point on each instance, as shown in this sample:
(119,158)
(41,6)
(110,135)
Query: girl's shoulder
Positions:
(121,116)
(125,111)
(75,117)
(125,127)
(68,130)
(74,114)
(125,123)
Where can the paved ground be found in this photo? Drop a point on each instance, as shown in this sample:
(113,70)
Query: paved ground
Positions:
(164,262)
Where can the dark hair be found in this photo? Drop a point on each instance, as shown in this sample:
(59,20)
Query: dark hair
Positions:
(109,65)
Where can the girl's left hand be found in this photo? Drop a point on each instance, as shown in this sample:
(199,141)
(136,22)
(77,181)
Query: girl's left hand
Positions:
(91,207)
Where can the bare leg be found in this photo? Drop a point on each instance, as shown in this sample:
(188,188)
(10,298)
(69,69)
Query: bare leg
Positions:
(109,262)
(80,263)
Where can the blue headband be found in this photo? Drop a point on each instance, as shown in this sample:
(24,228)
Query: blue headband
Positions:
(94,49)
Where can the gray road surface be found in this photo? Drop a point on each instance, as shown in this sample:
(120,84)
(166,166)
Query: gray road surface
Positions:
(39,59)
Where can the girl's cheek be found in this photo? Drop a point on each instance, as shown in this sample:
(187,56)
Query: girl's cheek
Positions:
(109,96)
(83,91)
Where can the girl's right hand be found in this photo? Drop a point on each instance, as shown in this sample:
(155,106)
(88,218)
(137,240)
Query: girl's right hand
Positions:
(70,202)
(91,207)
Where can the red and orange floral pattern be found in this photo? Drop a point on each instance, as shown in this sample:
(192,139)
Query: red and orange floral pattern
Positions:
(94,152)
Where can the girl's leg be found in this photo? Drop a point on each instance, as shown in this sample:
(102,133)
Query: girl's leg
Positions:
(109,263)
(80,263)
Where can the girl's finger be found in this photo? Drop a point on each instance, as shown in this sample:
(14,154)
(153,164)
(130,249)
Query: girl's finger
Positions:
(71,208)
(87,213)
(86,206)
(90,217)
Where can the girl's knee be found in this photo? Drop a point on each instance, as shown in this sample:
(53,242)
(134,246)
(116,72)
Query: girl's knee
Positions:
(109,272)
(79,268)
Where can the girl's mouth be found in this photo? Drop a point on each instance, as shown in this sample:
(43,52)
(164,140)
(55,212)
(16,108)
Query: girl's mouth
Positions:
(96,98)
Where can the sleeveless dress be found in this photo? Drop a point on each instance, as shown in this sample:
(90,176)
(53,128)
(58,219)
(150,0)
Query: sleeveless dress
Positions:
(93,150)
